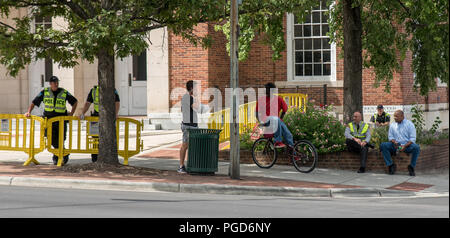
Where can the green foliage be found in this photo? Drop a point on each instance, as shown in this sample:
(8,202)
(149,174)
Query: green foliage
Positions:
(423,135)
(425,34)
(435,125)
(244,138)
(379,135)
(120,27)
(417,118)
(263,18)
(317,126)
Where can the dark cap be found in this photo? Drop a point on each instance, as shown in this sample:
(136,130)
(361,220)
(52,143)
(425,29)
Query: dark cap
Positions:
(380,106)
(53,79)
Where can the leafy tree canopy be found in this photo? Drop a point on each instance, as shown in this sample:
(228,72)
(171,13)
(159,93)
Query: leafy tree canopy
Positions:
(390,29)
(125,25)
(393,27)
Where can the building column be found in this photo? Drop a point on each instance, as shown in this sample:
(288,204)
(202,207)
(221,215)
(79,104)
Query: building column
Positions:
(158,72)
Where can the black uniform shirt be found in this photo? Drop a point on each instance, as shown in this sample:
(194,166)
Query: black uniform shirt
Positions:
(381,119)
(40,97)
(91,99)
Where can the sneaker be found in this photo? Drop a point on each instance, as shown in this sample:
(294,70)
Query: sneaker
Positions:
(411,171)
(181,170)
(65,159)
(94,158)
(361,170)
(279,145)
(55,159)
(392,169)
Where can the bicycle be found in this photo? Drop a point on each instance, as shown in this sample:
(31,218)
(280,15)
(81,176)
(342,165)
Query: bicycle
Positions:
(303,154)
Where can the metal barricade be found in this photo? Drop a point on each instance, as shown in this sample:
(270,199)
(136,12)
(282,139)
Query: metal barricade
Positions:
(247,115)
(18,133)
(87,141)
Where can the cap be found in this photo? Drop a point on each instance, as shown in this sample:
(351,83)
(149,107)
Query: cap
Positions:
(380,106)
(53,79)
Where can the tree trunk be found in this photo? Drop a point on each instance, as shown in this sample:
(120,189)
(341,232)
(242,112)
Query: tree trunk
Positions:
(352,60)
(107,115)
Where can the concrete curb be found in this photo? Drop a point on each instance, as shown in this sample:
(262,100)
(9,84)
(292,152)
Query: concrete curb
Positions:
(209,188)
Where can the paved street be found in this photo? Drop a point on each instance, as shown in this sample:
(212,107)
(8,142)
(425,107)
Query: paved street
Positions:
(50,202)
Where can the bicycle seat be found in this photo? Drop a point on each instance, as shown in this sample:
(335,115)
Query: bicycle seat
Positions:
(264,124)
(268,136)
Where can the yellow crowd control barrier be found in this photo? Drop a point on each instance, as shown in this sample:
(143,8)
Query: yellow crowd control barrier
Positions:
(86,141)
(295,99)
(247,115)
(19,133)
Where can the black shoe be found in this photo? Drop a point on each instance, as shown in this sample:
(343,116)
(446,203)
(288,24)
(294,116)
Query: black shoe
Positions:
(94,158)
(392,169)
(411,171)
(55,159)
(361,170)
(65,159)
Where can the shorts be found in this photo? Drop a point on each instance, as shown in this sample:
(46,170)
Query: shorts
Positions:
(184,129)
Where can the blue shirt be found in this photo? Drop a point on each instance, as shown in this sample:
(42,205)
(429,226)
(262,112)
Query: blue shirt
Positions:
(402,132)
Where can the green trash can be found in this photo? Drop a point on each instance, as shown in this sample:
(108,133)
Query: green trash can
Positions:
(203,151)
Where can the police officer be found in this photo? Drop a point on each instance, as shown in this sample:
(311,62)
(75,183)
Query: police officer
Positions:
(381,118)
(358,136)
(54,99)
(93,97)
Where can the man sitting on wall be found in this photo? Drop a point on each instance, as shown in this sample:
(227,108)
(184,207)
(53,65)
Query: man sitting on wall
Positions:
(402,138)
(358,136)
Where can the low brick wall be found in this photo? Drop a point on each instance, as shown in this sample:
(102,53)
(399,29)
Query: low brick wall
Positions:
(432,157)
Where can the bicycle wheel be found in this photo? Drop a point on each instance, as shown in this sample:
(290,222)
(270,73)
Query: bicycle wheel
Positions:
(305,156)
(264,153)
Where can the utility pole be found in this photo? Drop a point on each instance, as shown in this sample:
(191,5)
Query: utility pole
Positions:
(234,169)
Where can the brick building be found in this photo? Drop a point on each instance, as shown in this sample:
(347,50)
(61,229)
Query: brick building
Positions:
(151,84)
(308,64)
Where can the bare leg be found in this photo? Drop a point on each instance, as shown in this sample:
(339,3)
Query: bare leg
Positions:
(183,150)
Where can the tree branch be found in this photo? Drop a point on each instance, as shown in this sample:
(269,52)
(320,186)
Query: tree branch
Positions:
(404,7)
(77,9)
(6,25)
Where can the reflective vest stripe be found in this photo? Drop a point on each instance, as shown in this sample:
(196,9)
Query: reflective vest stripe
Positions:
(95,98)
(361,133)
(375,116)
(50,105)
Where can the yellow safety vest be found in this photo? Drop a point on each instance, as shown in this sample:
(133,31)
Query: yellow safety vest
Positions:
(50,105)
(375,116)
(95,98)
(361,134)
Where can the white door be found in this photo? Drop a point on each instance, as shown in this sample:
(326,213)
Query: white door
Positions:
(137,98)
(131,77)
(121,74)
(37,82)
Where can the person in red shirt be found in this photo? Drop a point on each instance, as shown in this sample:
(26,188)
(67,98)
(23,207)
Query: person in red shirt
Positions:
(268,108)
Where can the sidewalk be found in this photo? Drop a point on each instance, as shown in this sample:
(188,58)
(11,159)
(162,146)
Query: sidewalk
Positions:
(159,158)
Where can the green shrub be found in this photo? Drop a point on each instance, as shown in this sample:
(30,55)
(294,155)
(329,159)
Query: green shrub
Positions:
(317,126)
(423,136)
(379,135)
(244,138)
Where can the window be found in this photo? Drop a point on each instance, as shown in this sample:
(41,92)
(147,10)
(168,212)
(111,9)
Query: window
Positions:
(312,55)
(45,23)
(140,66)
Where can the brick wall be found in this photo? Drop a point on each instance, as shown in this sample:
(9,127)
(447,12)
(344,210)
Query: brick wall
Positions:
(212,67)
(432,157)
(186,62)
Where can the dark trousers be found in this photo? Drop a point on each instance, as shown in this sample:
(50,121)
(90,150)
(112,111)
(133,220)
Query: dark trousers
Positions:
(55,134)
(353,146)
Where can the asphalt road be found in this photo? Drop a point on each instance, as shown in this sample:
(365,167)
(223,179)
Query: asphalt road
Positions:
(32,202)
